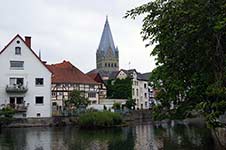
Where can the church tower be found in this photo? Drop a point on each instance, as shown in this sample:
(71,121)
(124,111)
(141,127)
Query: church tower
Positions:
(107,55)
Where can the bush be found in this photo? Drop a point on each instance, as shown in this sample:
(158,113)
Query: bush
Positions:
(7,112)
(99,119)
(116,106)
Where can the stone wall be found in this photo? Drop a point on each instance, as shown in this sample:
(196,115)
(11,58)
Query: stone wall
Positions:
(38,122)
(62,121)
(137,115)
(220,135)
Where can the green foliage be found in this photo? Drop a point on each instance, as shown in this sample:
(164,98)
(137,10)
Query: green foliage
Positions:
(7,112)
(117,106)
(99,119)
(131,103)
(77,99)
(119,88)
(190,52)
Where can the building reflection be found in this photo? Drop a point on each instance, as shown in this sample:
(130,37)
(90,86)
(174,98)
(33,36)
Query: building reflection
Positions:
(144,136)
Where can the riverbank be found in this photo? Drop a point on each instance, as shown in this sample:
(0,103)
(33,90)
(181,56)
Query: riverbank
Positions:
(129,117)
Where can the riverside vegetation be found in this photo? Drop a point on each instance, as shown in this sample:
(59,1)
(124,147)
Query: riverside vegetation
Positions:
(103,119)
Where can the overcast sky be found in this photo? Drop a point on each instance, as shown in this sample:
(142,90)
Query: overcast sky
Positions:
(71,30)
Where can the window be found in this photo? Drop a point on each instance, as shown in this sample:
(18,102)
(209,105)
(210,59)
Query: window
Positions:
(59,93)
(54,103)
(137,92)
(145,85)
(105,64)
(91,86)
(16,100)
(18,42)
(18,50)
(16,81)
(19,100)
(38,114)
(133,91)
(115,65)
(145,95)
(17,65)
(12,100)
(39,99)
(24,115)
(53,94)
(39,81)
(92,95)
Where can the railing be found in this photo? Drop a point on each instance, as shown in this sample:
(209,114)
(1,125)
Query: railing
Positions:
(19,107)
(15,88)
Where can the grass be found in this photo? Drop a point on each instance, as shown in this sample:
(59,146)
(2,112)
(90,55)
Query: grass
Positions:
(99,119)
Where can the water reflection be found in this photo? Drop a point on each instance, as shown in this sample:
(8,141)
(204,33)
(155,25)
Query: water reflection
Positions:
(138,137)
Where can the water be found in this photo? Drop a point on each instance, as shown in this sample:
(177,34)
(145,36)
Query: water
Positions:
(136,137)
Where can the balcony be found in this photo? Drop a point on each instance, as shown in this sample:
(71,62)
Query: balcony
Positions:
(19,107)
(15,88)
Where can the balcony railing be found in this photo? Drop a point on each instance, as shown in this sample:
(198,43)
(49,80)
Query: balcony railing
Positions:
(19,107)
(16,88)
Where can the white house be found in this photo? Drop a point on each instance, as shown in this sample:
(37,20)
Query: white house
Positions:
(139,87)
(25,81)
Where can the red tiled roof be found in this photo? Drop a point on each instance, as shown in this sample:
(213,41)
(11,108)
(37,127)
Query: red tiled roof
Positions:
(96,77)
(65,72)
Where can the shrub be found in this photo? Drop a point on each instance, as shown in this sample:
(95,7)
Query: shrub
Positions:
(116,106)
(99,119)
(7,112)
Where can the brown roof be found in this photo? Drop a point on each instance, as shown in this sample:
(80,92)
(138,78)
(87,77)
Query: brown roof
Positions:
(27,47)
(96,77)
(65,72)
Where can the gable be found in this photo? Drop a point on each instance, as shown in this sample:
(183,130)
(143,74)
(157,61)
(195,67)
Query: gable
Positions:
(121,75)
(9,51)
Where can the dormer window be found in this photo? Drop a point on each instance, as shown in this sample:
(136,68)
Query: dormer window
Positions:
(18,50)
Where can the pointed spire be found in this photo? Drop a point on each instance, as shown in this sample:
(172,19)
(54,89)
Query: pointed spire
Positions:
(106,41)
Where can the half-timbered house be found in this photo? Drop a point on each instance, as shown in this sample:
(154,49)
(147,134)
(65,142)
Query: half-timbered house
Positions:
(66,78)
(102,88)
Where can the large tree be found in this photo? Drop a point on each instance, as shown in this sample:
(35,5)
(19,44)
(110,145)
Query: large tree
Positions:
(77,99)
(119,88)
(190,47)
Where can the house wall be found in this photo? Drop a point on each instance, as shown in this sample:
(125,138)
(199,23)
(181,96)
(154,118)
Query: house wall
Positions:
(140,94)
(33,68)
(60,92)
(139,90)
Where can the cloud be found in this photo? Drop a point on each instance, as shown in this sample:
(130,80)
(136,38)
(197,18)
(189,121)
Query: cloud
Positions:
(72,30)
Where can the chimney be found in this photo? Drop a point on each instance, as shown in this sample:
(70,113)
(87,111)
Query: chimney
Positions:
(28,41)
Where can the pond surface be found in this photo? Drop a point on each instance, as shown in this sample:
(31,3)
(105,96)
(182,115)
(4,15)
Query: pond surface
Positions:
(135,137)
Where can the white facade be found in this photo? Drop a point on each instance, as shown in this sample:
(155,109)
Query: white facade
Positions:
(139,88)
(25,82)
